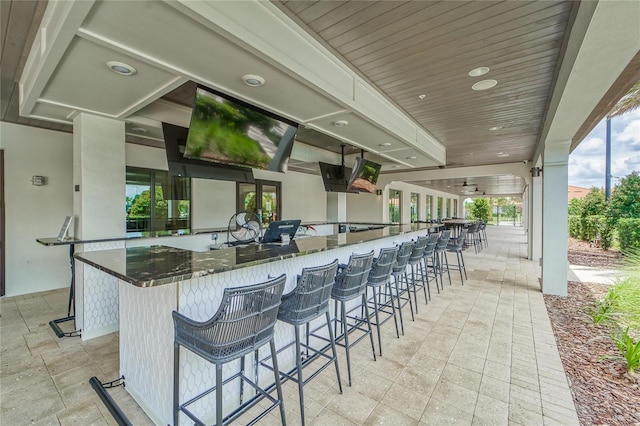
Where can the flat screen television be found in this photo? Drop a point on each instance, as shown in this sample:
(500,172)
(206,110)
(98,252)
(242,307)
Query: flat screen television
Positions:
(228,131)
(175,139)
(365,176)
(279,227)
(335,177)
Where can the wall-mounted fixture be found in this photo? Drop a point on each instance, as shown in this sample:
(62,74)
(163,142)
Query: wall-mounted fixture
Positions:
(536,171)
(378,191)
(38,180)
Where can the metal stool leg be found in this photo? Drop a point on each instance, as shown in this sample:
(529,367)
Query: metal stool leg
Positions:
(219,395)
(366,312)
(399,306)
(346,339)
(176,383)
(333,349)
(299,368)
(276,376)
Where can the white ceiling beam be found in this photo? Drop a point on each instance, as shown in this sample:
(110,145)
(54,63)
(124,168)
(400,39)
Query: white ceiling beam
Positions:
(58,27)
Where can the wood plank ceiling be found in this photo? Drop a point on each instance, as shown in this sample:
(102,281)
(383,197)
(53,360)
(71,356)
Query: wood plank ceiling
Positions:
(414,48)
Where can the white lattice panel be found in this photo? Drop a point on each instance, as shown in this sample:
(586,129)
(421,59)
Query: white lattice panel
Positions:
(146,347)
(96,298)
(100,307)
(96,295)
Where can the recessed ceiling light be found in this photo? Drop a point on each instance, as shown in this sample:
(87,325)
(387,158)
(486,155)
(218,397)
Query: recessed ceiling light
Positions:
(477,72)
(121,68)
(139,130)
(340,123)
(421,97)
(385,144)
(484,84)
(253,80)
(395,167)
(494,128)
(413,157)
(503,154)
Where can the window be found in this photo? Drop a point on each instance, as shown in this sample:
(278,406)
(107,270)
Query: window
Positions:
(455,208)
(415,199)
(394,205)
(448,207)
(429,201)
(439,208)
(166,208)
(261,198)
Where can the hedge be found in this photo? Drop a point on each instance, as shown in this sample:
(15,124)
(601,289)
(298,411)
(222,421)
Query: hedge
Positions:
(629,233)
(589,228)
(575,226)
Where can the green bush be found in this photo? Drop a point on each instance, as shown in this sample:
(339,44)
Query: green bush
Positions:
(629,233)
(575,226)
(624,201)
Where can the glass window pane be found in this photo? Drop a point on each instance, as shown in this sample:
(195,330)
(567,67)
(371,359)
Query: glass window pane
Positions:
(247,197)
(415,198)
(269,203)
(394,205)
(439,208)
(429,200)
(138,200)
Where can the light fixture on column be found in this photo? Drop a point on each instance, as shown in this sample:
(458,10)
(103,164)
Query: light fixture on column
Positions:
(536,171)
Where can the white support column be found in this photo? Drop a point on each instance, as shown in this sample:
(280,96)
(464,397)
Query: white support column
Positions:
(336,207)
(555,182)
(536,219)
(99,194)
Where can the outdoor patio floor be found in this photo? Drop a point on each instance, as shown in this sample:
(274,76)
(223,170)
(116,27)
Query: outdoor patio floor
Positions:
(482,353)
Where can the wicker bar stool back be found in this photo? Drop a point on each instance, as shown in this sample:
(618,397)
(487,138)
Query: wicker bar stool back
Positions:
(243,323)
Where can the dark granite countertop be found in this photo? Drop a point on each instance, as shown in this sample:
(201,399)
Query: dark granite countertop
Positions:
(156,265)
(53,241)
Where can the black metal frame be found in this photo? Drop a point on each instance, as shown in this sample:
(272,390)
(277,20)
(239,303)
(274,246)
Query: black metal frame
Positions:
(114,409)
(54,323)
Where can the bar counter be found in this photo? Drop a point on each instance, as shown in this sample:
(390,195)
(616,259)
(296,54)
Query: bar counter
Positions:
(151,282)
(155,265)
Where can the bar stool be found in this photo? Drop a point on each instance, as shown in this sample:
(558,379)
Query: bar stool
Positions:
(399,271)
(243,323)
(483,232)
(456,246)
(415,262)
(428,254)
(382,300)
(440,256)
(308,301)
(351,283)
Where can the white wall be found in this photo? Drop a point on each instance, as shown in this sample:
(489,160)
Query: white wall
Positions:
(366,208)
(36,211)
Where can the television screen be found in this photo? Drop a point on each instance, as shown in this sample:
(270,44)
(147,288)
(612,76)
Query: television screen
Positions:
(175,139)
(228,131)
(364,177)
(335,177)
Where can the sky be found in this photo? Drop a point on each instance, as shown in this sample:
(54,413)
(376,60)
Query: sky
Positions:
(587,161)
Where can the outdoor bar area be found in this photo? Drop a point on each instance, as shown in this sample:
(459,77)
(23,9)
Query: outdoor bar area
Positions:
(269,216)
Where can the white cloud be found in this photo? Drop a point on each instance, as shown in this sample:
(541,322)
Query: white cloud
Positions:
(587,161)
(631,132)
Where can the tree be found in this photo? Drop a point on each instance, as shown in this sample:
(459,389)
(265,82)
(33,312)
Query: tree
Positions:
(141,204)
(575,207)
(629,102)
(480,209)
(625,199)
(593,203)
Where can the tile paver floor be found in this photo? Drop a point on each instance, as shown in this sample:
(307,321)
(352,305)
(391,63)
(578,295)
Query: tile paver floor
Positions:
(482,353)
